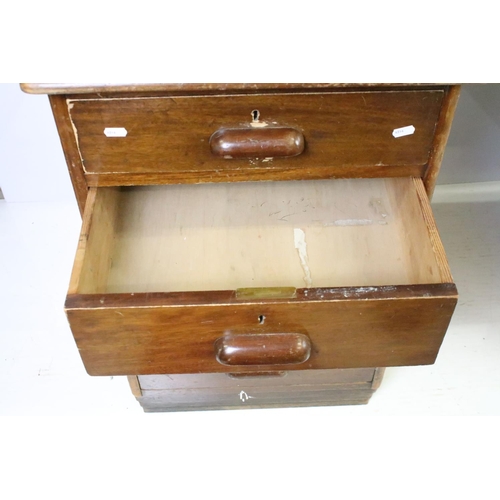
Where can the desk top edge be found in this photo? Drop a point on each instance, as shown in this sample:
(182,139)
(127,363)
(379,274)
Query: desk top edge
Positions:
(90,88)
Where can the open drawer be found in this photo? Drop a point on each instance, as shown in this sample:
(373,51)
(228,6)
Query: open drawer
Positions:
(241,277)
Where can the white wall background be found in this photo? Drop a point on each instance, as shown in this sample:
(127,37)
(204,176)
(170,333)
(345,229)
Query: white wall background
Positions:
(473,150)
(32,166)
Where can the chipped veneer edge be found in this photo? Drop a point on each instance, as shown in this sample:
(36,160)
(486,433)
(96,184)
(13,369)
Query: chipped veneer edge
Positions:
(441,134)
(258,124)
(135,386)
(299,239)
(319,91)
(70,103)
(242,303)
(378,375)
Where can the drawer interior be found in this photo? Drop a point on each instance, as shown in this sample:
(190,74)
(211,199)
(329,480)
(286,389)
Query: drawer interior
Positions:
(327,233)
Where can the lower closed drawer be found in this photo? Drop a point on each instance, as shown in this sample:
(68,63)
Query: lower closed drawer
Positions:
(221,391)
(237,278)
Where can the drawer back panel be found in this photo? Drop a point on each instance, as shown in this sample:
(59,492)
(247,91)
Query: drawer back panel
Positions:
(160,140)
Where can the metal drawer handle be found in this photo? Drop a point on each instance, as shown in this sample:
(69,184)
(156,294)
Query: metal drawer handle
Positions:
(266,142)
(263,349)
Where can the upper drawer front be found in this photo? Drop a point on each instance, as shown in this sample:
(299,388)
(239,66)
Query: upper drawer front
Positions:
(346,134)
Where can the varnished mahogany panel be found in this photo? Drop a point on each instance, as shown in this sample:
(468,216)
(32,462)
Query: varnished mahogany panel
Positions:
(217,398)
(220,399)
(168,137)
(249,142)
(262,349)
(124,334)
(284,379)
(70,149)
(201,88)
(397,316)
(263,173)
(442,132)
(388,323)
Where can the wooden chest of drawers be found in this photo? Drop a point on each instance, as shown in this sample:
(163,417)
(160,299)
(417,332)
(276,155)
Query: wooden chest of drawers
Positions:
(255,245)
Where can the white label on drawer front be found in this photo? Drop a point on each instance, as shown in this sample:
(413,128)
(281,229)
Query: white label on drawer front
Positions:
(115,132)
(401,132)
(299,239)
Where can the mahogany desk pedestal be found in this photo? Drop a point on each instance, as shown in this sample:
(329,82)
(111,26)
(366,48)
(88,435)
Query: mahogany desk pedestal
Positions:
(253,245)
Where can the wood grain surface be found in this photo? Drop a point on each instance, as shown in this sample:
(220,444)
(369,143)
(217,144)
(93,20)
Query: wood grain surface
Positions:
(256,174)
(93,258)
(250,142)
(348,133)
(442,133)
(271,397)
(135,386)
(203,88)
(287,378)
(232,236)
(262,349)
(223,391)
(169,137)
(70,148)
(382,307)
(130,334)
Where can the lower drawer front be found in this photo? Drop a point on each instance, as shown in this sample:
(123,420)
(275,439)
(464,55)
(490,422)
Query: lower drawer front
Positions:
(143,334)
(220,279)
(221,391)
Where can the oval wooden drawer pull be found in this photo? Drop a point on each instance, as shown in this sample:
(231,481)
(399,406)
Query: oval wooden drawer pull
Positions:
(263,349)
(266,142)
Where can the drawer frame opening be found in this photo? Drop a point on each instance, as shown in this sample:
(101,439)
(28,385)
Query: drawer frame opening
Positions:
(310,234)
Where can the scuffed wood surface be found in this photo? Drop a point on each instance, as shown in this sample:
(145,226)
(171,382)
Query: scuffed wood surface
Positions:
(135,386)
(441,138)
(377,378)
(70,149)
(343,132)
(219,391)
(94,253)
(85,88)
(437,245)
(219,398)
(251,142)
(282,379)
(149,248)
(259,171)
(349,332)
(230,236)
(255,173)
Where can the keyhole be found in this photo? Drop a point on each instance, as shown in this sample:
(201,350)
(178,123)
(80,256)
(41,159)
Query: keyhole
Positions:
(262,319)
(255,115)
